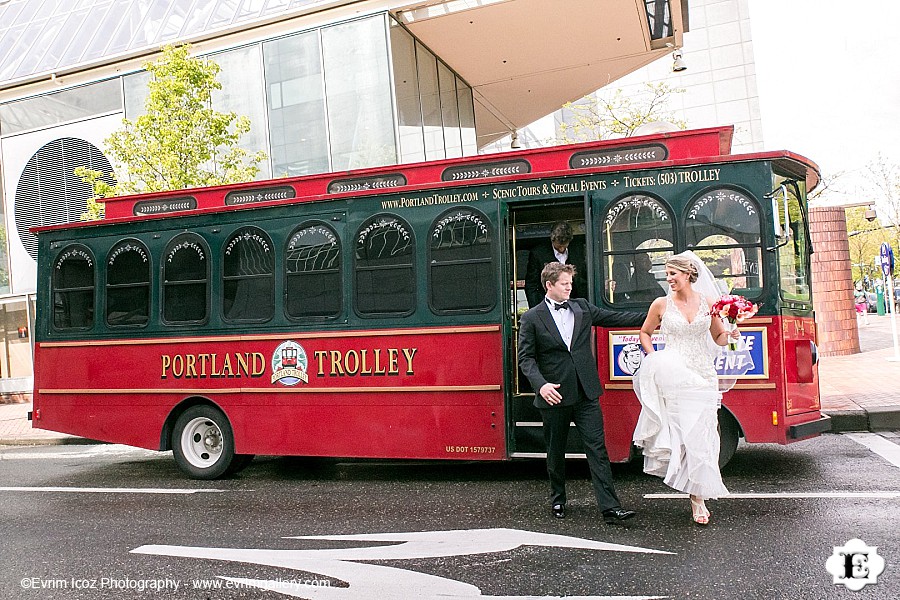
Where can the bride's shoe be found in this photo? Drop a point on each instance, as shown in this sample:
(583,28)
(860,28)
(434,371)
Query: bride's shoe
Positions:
(699,513)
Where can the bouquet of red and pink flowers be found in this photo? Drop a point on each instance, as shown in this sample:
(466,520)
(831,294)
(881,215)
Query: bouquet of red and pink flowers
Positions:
(734,309)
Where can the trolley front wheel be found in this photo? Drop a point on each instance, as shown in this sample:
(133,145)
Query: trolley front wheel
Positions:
(204,443)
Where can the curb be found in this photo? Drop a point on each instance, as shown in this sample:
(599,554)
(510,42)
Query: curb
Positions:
(877,418)
(59,441)
(884,418)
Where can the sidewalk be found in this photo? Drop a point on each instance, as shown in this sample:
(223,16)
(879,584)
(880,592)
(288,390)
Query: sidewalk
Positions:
(860,392)
(15,429)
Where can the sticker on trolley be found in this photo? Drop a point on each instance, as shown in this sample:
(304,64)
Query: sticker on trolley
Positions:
(626,354)
(289,363)
(749,361)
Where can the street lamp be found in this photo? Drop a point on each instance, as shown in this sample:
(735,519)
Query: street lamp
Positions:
(871,215)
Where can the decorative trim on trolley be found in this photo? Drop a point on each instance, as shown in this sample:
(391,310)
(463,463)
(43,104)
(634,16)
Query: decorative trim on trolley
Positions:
(501,168)
(626,155)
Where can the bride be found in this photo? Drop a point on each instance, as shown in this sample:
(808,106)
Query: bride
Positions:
(678,386)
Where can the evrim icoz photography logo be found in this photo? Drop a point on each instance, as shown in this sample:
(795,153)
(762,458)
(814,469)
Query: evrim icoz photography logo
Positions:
(289,363)
(855,564)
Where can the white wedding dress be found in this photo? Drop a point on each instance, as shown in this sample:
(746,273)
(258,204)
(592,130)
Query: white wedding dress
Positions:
(679,395)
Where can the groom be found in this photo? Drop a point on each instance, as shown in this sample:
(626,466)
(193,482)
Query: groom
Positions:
(555,355)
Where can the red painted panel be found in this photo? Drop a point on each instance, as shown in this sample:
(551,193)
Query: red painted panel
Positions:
(365,394)
(415,357)
(801,382)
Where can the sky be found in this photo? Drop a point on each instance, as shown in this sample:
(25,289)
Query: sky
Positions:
(828,83)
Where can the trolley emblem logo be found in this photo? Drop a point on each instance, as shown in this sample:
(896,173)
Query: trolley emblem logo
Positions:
(289,363)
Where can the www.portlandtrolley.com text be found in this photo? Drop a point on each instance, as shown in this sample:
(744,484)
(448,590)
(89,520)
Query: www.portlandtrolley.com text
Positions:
(161,585)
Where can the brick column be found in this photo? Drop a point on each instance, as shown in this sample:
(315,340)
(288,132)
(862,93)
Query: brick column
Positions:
(832,282)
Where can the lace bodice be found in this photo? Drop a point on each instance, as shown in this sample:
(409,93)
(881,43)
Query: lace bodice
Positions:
(690,340)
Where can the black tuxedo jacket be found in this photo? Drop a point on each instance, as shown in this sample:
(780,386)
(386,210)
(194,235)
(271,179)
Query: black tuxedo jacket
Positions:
(543,356)
(542,254)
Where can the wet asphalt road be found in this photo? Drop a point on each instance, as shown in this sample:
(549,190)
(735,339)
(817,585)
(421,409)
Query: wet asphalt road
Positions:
(55,542)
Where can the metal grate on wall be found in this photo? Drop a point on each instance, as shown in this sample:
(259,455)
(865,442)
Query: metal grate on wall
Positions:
(49,192)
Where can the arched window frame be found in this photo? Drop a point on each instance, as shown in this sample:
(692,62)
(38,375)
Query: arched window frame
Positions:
(615,291)
(481,270)
(131,288)
(329,276)
(405,272)
(73,303)
(185,242)
(708,251)
(258,289)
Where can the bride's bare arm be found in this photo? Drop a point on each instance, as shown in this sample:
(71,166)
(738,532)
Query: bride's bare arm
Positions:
(651,323)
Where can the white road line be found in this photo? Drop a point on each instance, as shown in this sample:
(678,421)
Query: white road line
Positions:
(871,495)
(109,490)
(877,444)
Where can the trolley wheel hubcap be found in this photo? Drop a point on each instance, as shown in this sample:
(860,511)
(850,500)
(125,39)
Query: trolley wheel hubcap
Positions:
(201,442)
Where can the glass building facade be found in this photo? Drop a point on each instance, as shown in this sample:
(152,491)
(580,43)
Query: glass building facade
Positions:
(346,95)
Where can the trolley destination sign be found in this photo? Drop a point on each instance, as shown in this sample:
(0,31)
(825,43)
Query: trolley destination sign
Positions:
(551,188)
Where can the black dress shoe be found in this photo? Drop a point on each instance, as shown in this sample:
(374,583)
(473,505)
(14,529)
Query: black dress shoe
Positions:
(559,511)
(616,515)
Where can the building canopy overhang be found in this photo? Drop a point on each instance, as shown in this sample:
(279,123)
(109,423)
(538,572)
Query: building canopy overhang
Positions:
(523,58)
(526,58)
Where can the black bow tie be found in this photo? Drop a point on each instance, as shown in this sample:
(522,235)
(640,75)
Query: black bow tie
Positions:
(561,305)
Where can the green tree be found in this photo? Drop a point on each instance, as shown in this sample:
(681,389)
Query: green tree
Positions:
(884,177)
(604,115)
(180,141)
(865,238)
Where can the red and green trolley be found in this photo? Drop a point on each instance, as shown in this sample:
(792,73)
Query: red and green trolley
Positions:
(374,313)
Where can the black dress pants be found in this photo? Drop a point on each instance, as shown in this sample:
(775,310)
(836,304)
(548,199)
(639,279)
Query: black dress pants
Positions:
(589,421)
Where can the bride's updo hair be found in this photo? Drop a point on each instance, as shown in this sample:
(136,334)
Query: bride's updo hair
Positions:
(685,265)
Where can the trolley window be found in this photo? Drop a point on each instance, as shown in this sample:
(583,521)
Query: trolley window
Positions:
(186,280)
(385,276)
(128,285)
(314,286)
(73,288)
(462,273)
(638,235)
(723,227)
(793,256)
(248,276)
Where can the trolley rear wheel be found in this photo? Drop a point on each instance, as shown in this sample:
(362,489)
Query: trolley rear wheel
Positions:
(203,443)
(729,432)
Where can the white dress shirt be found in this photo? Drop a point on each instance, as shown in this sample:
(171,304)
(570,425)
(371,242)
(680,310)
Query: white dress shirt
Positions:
(564,319)
(561,256)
